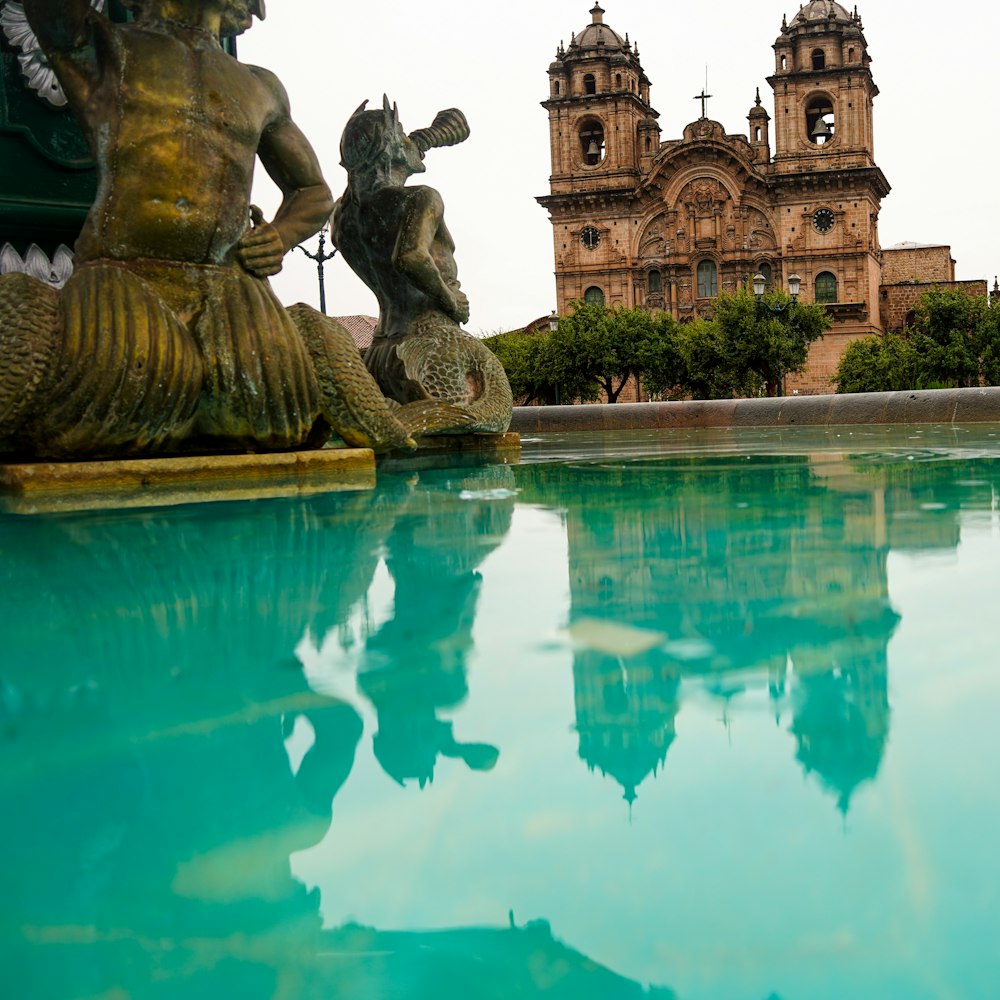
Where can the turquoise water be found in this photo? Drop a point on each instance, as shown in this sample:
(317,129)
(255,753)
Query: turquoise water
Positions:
(711,716)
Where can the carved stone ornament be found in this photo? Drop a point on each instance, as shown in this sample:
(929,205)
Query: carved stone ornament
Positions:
(35,262)
(35,67)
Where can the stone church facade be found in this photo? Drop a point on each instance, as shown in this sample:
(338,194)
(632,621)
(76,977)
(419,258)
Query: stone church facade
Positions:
(669,224)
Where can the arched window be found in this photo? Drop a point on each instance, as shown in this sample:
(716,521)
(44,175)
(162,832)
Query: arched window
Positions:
(820,125)
(590,84)
(757,133)
(784,62)
(765,269)
(556,88)
(594,296)
(826,287)
(708,280)
(850,55)
(654,283)
(819,59)
(618,81)
(592,142)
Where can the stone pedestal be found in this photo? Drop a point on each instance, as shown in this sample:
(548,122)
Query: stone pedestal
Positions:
(51,487)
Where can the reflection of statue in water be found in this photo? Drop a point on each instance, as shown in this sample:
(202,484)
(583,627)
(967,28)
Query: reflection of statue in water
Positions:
(159,727)
(415,665)
(396,239)
(168,335)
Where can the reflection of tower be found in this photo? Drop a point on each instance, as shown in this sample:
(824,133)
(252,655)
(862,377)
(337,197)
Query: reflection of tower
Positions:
(840,688)
(625,712)
(682,550)
(841,723)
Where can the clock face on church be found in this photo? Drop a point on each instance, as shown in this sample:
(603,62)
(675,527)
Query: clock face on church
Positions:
(823,220)
(590,237)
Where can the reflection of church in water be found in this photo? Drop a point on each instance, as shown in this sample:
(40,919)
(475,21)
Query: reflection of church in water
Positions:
(794,603)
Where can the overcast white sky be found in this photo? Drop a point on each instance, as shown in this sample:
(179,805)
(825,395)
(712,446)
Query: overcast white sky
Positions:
(935,122)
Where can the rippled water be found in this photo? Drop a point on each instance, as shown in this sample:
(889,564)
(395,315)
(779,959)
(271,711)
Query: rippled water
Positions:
(711,715)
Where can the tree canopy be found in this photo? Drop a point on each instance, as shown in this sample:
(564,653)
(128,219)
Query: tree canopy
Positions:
(523,358)
(744,350)
(953,341)
(759,343)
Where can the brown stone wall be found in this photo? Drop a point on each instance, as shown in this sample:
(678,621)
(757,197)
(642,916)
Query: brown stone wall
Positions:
(897,302)
(824,356)
(917,264)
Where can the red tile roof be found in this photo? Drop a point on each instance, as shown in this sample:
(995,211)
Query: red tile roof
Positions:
(361,329)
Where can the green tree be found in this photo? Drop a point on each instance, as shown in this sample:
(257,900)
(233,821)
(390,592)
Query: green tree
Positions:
(708,372)
(662,368)
(761,346)
(954,341)
(880,363)
(523,356)
(953,333)
(597,349)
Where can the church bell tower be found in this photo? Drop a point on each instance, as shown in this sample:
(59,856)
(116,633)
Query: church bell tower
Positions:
(828,188)
(603,136)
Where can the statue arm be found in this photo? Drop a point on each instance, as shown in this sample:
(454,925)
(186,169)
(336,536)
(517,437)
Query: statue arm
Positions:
(306,204)
(59,25)
(65,29)
(422,222)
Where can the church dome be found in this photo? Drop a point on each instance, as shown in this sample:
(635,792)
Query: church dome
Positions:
(817,11)
(597,33)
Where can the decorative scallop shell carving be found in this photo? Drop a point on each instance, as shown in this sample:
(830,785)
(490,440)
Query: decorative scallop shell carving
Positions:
(35,262)
(35,67)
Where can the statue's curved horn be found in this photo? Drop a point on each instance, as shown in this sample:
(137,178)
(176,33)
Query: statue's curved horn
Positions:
(448,129)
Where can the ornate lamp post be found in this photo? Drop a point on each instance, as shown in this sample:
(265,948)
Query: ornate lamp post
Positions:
(321,257)
(553,326)
(759,285)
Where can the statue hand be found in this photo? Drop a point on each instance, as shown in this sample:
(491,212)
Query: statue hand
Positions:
(460,314)
(261,251)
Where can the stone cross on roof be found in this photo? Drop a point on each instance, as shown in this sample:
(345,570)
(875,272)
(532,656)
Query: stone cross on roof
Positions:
(703,97)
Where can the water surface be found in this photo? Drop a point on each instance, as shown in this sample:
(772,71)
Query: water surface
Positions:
(709,715)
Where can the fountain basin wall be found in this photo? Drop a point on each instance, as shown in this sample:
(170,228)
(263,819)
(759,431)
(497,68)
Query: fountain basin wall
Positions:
(925,406)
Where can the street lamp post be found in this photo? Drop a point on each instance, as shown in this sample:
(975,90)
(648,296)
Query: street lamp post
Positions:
(759,285)
(553,326)
(321,257)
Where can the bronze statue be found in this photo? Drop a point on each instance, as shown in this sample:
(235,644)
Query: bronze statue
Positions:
(168,336)
(396,240)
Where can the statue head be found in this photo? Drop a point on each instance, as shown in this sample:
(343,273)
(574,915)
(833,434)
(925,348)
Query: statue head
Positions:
(376,138)
(237,15)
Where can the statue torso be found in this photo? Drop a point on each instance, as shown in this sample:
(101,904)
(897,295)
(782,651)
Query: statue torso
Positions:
(175,125)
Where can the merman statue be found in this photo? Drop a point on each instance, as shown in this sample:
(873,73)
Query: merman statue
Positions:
(396,240)
(168,337)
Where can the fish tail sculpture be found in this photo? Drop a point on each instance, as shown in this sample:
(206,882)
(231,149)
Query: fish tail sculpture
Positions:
(449,364)
(29,332)
(352,402)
